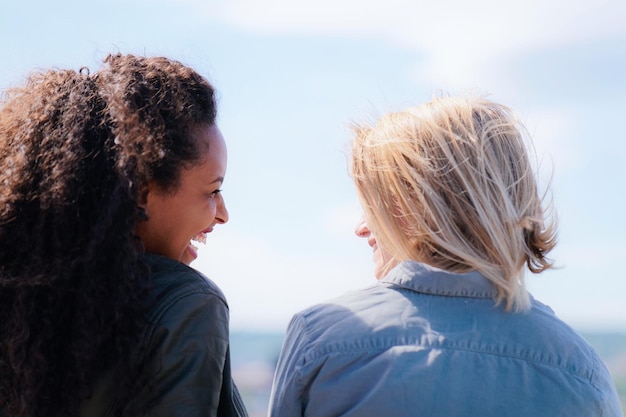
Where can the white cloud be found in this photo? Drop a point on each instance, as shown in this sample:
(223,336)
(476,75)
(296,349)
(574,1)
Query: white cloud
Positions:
(459,39)
(466,47)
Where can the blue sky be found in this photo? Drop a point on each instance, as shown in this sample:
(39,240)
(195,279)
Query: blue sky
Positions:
(293,74)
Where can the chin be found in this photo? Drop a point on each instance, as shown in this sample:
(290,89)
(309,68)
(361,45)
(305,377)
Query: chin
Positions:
(378,273)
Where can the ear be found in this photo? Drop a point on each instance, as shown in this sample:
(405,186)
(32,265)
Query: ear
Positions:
(143,197)
(144,193)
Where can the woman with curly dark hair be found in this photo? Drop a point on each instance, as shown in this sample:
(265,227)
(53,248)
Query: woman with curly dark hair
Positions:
(106,179)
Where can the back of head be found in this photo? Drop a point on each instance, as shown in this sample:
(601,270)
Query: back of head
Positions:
(155,104)
(449,183)
(75,151)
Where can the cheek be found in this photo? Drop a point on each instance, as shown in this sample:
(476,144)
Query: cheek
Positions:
(382,253)
(205,214)
(386,256)
(384,262)
(211,210)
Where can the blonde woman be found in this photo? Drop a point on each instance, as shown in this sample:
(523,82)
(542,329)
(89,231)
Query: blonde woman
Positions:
(454,218)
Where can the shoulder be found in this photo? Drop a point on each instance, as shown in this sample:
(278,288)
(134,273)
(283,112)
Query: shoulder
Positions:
(379,317)
(409,337)
(558,345)
(344,306)
(183,348)
(184,303)
(184,298)
(172,280)
(348,320)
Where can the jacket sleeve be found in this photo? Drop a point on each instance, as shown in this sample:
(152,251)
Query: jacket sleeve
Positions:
(287,396)
(185,359)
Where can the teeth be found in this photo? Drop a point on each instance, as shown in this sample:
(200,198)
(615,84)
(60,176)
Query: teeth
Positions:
(200,237)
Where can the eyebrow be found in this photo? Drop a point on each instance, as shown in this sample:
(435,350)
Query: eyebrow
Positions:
(218,179)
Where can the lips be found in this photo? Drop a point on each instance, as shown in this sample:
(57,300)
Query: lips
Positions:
(200,238)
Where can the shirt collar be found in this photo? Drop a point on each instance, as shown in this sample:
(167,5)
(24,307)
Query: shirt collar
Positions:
(427,279)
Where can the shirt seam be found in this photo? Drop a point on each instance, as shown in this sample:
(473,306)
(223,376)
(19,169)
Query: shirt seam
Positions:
(314,357)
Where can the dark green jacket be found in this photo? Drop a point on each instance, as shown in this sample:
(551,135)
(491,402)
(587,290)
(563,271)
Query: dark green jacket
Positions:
(184,354)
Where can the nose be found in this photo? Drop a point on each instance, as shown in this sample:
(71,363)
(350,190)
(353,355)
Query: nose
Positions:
(361,228)
(221,214)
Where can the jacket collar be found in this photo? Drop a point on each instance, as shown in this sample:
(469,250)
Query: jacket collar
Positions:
(419,277)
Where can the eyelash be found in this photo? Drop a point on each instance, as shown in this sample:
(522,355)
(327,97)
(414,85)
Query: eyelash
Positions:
(215,193)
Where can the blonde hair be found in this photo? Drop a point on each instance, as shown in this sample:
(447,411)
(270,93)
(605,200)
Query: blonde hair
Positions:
(450,184)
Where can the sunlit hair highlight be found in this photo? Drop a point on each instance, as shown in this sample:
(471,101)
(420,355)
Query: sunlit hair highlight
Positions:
(450,183)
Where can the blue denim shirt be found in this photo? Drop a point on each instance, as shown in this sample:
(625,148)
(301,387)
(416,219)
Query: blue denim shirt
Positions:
(425,342)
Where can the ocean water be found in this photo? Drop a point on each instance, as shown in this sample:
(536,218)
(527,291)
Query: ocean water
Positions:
(253,357)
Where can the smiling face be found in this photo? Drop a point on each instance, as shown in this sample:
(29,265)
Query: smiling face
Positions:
(383,261)
(190,211)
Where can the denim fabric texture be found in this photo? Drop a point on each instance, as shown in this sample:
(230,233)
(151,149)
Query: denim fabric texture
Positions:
(425,342)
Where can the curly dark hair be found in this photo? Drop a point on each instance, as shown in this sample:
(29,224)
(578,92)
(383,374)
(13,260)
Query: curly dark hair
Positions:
(76,151)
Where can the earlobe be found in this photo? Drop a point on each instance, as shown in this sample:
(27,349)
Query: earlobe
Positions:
(141,214)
